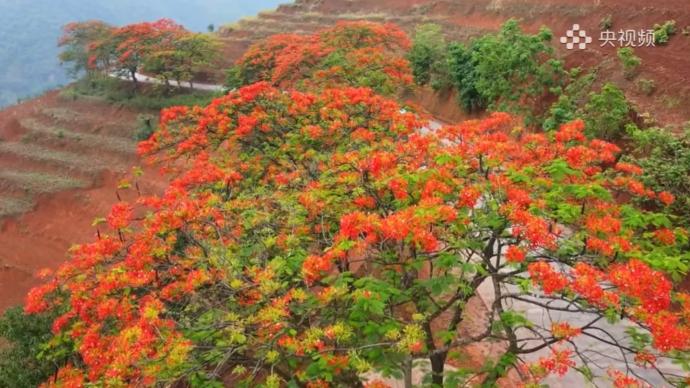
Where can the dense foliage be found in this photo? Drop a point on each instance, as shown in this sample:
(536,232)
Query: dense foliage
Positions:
(665,158)
(23,361)
(361,54)
(571,102)
(607,113)
(428,57)
(509,70)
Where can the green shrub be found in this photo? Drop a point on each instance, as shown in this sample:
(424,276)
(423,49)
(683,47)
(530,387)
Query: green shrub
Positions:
(146,126)
(607,113)
(464,76)
(570,104)
(665,158)
(663,32)
(233,78)
(630,62)
(646,86)
(429,57)
(507,71)
(606,22)
(26,361)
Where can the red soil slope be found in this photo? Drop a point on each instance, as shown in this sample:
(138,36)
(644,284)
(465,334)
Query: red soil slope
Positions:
(60,162)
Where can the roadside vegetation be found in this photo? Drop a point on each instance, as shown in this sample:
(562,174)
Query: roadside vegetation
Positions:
(145,97)
(162,49)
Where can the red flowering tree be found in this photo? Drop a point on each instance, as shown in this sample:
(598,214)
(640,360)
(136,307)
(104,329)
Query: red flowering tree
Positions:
(85,45)
(162,48)
(360,54)
(181,58)
(310,238)
(134,43)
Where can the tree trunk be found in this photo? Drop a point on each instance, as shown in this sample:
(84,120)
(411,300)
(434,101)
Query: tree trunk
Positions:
(408,372)
(133,73)
(438,362)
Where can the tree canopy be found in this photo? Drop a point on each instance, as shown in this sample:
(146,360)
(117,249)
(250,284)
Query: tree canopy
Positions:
(356,54)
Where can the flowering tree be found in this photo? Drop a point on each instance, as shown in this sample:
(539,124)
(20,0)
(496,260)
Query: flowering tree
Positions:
(84,46)
(360,54)
(134,43)
(309,238)
(162,48)
(182,58)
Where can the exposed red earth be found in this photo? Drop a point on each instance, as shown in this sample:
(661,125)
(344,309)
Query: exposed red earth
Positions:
(60,163)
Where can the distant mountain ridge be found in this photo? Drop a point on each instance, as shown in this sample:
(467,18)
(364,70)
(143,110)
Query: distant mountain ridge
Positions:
(30,29)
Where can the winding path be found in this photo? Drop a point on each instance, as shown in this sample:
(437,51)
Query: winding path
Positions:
(183,84)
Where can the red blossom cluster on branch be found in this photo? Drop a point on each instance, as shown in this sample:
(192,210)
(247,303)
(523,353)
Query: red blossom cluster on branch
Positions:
(350,54)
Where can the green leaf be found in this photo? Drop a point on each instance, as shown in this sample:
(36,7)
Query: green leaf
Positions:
(559,170)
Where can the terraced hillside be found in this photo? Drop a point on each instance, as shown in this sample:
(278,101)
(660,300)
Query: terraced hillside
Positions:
(60,161)
(667,66)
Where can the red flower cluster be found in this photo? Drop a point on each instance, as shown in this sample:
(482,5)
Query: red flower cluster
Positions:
(365,50)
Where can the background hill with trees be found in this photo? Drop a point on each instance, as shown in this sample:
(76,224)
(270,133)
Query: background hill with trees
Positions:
(28,52)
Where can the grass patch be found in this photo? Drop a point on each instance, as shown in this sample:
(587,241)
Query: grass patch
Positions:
(142,97)
(10,206)
(48,155)
(61,114)
(40,182)
(368,16)
(646,86)
(111,143)
(671,102)
(606,22)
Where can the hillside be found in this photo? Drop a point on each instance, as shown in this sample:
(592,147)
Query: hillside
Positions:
(28,53)
(668,66)
(60,163)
